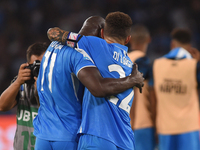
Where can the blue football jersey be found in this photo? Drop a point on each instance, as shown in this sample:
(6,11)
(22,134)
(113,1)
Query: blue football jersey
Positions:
(144,66)
(108,117)
(59,114)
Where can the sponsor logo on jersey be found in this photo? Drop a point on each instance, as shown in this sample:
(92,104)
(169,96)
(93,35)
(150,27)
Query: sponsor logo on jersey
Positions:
(25,115)
(175,86)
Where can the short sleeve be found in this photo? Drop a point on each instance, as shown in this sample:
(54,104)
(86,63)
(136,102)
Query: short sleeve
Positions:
(80,61)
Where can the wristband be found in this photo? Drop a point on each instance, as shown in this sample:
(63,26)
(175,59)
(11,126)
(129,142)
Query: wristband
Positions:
(72,39)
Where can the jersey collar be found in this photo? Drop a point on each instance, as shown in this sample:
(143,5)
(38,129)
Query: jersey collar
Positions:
(122,47)
(178,53)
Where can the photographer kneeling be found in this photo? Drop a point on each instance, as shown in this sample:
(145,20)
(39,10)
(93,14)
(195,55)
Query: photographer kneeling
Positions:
(21,93)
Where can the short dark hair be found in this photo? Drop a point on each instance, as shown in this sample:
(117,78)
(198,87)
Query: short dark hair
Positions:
(118,25)
(36,49)
(181,35)
(139,33)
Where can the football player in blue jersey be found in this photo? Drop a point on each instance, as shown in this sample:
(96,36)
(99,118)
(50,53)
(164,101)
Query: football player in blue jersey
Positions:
(59,115)
(105,121)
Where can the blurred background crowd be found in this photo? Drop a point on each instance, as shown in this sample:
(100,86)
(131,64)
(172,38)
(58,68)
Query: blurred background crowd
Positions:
(23,22)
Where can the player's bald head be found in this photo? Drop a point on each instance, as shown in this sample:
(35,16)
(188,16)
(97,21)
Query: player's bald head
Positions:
(92,26)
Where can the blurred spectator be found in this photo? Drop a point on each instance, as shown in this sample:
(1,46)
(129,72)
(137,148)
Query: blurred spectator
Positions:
(140,114)
(174,99)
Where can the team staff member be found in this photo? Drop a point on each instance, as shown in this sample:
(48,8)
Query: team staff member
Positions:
(59,115)
(21,93)
(140,114)
(106,120)
(176,77)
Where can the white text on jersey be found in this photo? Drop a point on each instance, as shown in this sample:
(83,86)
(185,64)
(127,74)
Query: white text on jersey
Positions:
(122,59)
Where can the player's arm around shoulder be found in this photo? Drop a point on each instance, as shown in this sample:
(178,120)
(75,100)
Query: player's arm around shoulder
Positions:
(57,34)
(102,87)
(64,37)
(8,97)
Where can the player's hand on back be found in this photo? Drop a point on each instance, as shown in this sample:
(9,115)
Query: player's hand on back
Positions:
(137,77)
(24,74)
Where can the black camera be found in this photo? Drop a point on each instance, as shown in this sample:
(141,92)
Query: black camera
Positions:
(35,67)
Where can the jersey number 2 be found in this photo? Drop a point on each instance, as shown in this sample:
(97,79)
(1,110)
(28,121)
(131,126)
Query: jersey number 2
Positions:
(124,102)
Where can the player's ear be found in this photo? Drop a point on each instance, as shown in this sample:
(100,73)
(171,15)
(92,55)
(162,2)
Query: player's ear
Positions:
(102,33)
(127,39)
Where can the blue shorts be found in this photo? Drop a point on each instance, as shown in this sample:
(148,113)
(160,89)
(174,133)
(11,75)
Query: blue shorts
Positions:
(41,144)
(91,142)
(185,141)
(145,139)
